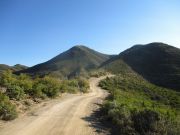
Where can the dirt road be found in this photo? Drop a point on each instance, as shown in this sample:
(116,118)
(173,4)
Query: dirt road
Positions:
(68,116)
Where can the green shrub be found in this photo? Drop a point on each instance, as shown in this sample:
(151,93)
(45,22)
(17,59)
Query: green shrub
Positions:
(148,122)
(64,86)
(49,86)
(7,79)
(19,85)
(75,85)
(98,73)
(15,92)
(72,90)
(7,110)
(119,115)
(37,90)
(138,107)
(25,82)
(83,85)
(72,83)
(70,86)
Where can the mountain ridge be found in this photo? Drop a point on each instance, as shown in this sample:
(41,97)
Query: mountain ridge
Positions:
(73,61)
(16,67)
(157,62)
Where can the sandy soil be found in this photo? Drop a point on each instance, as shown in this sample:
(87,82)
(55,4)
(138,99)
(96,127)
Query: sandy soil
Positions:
(70,115)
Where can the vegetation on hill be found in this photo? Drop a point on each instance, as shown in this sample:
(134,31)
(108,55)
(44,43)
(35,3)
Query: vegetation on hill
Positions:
(16,67)
(116,66)
(74,62)
(157,62)
(19,67)
(137,107)
(97,73)
(4,67)
(21,87)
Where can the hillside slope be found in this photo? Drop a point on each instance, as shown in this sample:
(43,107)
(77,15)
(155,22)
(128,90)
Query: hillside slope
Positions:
(76,60)
(16,67)
(157,62)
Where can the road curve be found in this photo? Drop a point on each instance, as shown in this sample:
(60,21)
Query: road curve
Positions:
(64,117)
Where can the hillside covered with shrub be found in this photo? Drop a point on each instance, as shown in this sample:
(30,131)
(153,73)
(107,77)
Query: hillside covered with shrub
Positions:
(137,107)
(158,63)
(16,67)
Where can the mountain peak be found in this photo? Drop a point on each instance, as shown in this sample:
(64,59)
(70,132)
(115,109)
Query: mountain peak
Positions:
(153,44)
(79,47)
(70,62)
(157,43)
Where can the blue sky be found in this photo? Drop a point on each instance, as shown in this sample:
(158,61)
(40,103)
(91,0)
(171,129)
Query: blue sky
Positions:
(33,31)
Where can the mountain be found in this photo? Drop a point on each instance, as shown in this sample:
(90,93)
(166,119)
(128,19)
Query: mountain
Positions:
(158,63)
(4,67)
(16,67)
(19,67)
(74,61)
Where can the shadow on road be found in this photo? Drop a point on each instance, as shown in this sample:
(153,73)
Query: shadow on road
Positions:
(96,123)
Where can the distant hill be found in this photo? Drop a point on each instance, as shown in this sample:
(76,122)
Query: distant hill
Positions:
(19,67)
(4,67)
(16,67)
(159,63)
(76,60)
